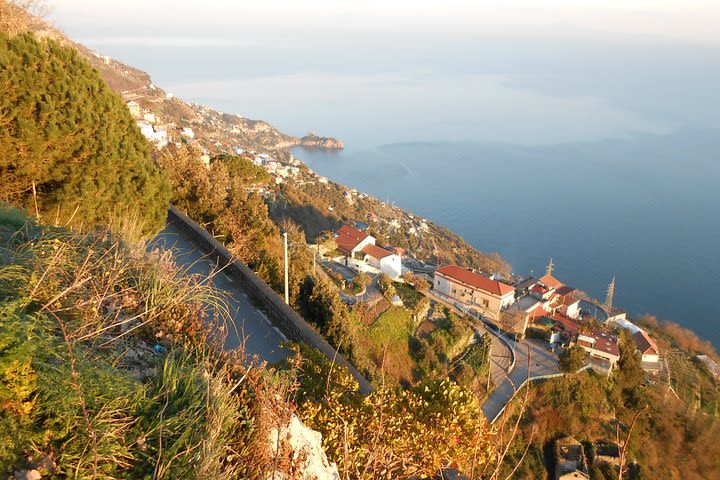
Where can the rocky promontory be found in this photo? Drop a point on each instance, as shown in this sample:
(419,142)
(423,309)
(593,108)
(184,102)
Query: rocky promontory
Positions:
(312,140)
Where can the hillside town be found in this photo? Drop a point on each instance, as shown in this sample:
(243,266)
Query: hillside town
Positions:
(525,309)
(182,297)
(533,321)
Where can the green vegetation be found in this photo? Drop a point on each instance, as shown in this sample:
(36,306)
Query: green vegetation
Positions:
(392,329)
(222,203)
(391,433)
(386,285)
(106,370)
(667,436)
(572,359)
(242,168)
(473,367)
(411,298)
(69,149)
(361,281)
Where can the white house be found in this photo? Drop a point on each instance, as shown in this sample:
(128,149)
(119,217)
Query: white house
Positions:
(385,261)
(156,134)
(362,254)
(602,346)
(134,108)
(188,132)
(473,292)
(647,347)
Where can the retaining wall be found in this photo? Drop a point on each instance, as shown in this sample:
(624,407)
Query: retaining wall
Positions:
(284,317)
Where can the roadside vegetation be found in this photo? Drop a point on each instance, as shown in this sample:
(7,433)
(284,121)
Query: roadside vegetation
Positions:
(108,369)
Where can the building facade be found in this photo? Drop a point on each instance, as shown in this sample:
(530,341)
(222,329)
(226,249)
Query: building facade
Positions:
(473,292)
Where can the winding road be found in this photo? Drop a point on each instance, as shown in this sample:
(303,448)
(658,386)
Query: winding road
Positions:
(249,324)
(532,361)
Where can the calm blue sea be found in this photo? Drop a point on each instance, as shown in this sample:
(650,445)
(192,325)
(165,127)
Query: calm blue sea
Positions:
(644,209)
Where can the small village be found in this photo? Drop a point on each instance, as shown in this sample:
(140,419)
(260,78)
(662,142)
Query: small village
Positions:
(529,313)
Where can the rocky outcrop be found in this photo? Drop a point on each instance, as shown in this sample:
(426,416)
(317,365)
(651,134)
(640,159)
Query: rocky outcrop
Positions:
(312,140)
(300,453)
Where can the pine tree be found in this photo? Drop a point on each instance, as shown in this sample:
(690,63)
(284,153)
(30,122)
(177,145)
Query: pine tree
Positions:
(68,143)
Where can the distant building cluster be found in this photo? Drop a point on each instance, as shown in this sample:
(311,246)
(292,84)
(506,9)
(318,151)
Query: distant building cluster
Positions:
(157,132)
(547,305)
(279,171)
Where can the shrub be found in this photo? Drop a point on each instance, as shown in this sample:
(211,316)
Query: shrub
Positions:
(390,433)
(81,381)
(572,359)
(385,285)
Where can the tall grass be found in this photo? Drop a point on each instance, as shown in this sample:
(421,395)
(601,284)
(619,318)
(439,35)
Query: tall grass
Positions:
(109,370)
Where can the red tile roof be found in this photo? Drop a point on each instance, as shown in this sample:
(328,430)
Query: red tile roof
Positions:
(645,344)
(604,342)
(571,325)
(551,281)
(348,238)
(475,280)
(541,289)
(376,252)
(564,290)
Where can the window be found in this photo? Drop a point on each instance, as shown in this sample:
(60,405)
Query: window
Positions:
(485,303)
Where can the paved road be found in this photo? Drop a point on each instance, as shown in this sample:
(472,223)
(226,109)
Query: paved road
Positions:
(542,362)
(347,273)
(500,353)
(261,337)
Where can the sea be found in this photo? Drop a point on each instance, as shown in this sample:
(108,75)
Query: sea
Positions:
(644,209)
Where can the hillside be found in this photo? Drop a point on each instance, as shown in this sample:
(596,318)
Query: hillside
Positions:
(111,357)
(314,205)
(210,126)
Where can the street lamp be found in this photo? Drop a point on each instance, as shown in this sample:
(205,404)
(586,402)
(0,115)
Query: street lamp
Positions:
(287,291)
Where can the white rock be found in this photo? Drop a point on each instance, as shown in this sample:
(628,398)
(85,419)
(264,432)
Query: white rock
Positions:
(307,454)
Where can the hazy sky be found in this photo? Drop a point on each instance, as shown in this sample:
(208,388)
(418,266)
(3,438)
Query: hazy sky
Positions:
(687,20)
(522,71)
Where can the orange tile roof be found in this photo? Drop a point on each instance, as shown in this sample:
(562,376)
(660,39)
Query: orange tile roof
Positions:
(376,252)
(475,280)
(551,281)
(348,238)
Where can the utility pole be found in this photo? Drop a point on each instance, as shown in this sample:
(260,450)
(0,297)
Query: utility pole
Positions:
(610,294)
(550,268)
(287,292)
(487,389)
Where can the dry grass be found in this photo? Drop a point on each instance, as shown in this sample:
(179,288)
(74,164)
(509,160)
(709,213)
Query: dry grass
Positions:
(123,361)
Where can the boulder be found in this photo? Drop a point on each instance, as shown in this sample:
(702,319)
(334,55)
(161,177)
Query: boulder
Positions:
(301,448)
